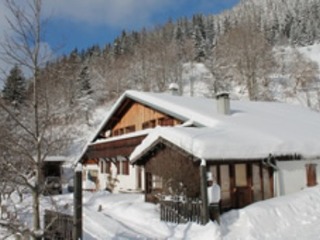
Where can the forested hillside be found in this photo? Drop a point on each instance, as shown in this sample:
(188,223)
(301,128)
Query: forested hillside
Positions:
(240,49)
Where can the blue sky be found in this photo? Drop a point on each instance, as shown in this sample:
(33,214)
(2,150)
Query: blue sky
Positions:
(83,23)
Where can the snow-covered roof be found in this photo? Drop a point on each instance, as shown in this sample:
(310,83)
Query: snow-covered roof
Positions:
(252,130)
(120,137)
(55,158)
(183,108)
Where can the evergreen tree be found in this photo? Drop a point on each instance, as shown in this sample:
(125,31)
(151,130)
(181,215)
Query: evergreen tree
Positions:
(84,86)
(14,90)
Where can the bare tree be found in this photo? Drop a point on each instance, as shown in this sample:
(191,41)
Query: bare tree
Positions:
(304,74)
(246,53)
(30,134)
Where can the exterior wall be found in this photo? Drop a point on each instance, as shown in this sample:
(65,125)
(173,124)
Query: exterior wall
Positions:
(129,183)
(136,118)
(139,116)
(124,183)
(292,175)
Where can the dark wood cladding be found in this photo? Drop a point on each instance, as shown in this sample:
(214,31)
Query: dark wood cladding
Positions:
(121,147)
(173,168)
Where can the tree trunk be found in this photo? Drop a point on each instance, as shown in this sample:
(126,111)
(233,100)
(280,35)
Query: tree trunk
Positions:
(36,213)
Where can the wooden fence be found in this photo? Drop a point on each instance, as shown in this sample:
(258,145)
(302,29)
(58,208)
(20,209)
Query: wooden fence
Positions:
(58,226)
(178,210)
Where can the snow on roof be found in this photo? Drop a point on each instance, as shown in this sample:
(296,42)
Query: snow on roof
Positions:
(253,130)
(125,136)
(55,159)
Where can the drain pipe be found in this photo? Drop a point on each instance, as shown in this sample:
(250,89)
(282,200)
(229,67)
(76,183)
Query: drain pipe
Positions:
(276,179)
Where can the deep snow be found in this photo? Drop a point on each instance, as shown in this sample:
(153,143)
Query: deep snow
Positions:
(127,216)
(296,216)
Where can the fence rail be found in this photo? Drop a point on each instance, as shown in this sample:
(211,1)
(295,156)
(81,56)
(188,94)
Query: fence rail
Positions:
(181,210)
(58,225)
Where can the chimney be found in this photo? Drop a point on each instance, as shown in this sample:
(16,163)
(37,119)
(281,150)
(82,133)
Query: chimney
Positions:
(223,103)
(174,89)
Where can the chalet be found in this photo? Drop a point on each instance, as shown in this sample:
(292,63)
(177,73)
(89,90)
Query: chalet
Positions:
(256,150)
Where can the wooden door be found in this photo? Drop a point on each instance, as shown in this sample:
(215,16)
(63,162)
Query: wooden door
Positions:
(243,192)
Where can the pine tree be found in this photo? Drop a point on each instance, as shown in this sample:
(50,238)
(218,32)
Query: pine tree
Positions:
(84,86)
(14,90)
(84,95)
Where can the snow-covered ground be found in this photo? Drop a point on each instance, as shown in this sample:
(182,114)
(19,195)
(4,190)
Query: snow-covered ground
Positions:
(296,216)
(127,216)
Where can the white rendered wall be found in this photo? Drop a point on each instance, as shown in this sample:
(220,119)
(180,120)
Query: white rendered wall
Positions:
(128,183)
(292,175)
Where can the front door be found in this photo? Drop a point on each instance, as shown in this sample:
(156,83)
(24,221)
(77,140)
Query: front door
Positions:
(242,189)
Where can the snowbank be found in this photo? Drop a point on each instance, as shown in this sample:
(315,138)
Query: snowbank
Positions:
(296,216)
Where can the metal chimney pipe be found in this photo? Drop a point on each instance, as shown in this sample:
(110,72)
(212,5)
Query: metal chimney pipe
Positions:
(223,103)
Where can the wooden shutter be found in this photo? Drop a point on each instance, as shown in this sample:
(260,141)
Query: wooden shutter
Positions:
(311,171)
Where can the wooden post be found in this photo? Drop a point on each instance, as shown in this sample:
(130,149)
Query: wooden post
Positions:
(204,193)
(77,201)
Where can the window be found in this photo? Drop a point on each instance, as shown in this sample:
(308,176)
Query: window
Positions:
(149,124)
(241,175)
(266,178)
(256,182)
(225,185)
(105,166)
(165,121)
(130,129)
(118,132)
(123,167)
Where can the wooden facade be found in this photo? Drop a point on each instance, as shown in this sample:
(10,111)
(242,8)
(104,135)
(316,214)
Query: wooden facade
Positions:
(242,182)
(108,147)
(132,116)
(171,173)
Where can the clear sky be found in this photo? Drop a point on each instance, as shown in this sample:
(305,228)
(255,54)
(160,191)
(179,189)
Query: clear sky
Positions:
(83,23)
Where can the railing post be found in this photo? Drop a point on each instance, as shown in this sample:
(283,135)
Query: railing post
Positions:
(77,200)
(204,193)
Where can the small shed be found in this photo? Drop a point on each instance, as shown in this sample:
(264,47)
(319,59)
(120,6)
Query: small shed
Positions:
(52,166)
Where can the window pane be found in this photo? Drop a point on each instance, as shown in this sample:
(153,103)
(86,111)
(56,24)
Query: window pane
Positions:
(266,183)
(241,175)
(225,184)
(256,182)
